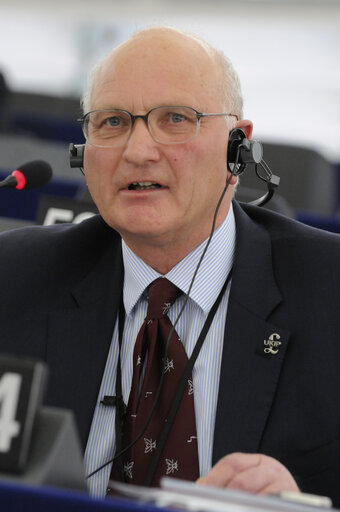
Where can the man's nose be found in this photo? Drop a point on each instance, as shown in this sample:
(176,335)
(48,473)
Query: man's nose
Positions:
(140,146)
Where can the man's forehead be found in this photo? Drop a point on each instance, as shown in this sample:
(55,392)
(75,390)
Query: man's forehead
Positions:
(159,48)
(157,59)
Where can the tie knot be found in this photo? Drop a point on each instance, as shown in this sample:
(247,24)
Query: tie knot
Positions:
(161,296)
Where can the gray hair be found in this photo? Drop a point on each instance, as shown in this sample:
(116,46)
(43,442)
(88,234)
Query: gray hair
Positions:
(85,101)
(232,93)
(231,87)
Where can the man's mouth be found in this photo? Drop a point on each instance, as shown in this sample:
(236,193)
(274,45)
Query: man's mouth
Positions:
(143,185)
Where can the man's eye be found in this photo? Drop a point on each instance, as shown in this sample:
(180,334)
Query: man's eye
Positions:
(113,121)
(176,118)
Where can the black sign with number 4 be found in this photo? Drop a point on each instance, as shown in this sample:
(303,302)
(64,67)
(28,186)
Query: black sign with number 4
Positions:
(21,386)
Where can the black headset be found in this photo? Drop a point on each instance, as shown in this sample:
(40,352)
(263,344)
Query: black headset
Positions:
(76,153)
(240,153)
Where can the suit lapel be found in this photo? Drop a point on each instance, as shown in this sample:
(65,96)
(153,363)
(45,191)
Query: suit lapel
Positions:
(79,339)
(254,348)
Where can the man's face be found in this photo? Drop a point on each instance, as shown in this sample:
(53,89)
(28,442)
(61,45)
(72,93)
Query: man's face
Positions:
(142,75)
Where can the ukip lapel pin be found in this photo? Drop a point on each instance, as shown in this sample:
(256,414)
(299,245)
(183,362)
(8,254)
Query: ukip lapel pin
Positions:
(272,344)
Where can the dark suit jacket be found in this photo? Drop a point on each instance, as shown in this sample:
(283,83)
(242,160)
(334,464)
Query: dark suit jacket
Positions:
(60,291)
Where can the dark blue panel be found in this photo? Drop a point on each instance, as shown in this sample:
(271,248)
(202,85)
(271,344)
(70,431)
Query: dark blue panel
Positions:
(23,204)
(48,127)
(15,498)
(322,222)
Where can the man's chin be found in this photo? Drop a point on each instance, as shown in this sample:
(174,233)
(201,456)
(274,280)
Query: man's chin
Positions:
(140,231)
(144,235)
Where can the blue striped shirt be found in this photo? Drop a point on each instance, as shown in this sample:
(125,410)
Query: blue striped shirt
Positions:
(138,275)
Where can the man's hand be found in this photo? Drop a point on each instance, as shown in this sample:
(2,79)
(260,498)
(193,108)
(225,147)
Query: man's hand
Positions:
(255,473)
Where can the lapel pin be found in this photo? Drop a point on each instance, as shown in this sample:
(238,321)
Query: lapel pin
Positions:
(272,344)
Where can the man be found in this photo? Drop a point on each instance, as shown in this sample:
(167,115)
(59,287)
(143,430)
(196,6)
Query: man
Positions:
(265,382)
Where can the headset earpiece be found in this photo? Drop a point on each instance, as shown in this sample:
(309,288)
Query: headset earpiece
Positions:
(242,151)
(76,152)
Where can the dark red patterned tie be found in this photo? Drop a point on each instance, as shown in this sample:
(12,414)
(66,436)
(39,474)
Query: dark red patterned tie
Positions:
(180,456)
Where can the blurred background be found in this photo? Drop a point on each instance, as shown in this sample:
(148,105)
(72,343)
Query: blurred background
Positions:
(287,53)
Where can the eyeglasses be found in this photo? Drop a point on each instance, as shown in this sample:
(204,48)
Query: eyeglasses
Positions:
(108,128)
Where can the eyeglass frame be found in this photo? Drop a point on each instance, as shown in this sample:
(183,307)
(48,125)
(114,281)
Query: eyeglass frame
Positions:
(145,117)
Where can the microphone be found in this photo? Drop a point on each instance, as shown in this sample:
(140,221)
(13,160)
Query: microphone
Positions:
(31,175)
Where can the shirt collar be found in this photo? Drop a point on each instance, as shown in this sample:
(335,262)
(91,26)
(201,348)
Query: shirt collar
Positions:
(209,280)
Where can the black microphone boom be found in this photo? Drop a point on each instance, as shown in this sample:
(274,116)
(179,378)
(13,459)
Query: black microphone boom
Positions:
(28,176)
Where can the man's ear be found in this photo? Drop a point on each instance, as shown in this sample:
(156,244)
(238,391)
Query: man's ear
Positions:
(246,126)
